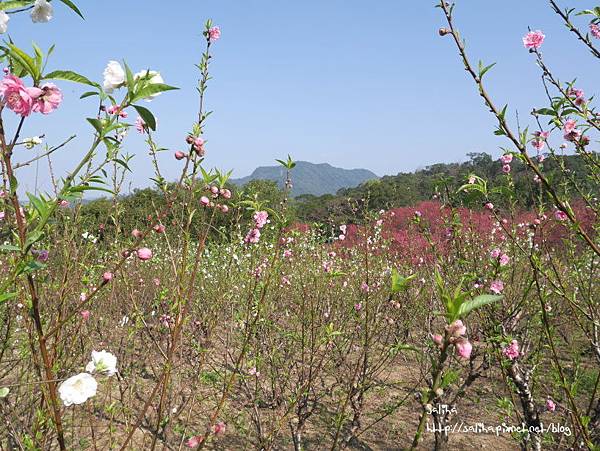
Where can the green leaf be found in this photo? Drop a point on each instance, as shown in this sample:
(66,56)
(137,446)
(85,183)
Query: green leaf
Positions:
(483,69)
(69,75)
(400,283)
(129,76)
(13,4)
(150,90)
(9,248)
(147,116)
(24,60)
(484,299)
(97,124)
(71,5)
(546,112)
(88,94)
(6,296)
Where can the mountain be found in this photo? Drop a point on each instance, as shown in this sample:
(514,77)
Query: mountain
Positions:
(311,178)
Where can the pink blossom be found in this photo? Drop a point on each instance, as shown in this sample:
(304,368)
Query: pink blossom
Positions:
(214,34)
(511,351)
(85,314)
(63,203)
(560,215)
(254,372)
(571,133)
(253,236)
(506,158)
(156,281)
(342,237)
(144,253)
(489,206)
(224,208)
(364,287)
(137,234)
(107,276)
(260,219)
(198,143)
(456,329)
(343,228)
(205,201)
(49,100)
(358,306)
(506,168)
(287,253)
(113,109)
(495,253)
(219,428)
(418,214)
(569,125)
(504,259)
(463,348)
(179,155)
(550,405)
(497,286)
(194,441)
(226,193)
(595,30)
(159,228)
(538,144)
(472,179)
(533,39)
(437,339)
(140,125)
(285,281)
(17,96)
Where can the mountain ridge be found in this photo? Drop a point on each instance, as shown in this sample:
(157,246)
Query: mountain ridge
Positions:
(311,178)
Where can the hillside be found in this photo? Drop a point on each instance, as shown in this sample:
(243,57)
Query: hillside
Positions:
(311,178)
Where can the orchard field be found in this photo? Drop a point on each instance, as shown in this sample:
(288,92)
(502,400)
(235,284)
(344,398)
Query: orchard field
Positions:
(207,315)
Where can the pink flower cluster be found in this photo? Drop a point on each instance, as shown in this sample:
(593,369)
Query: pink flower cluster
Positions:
(571,133)
(215,192)
(595,30)
(533,39)
(261,218)
(214,34)
(539,140)
(24,100)
(502,258)
(497,286)
(197,144)
(511,352)
(455,332)
(578,95)
(116,109)
(506,159)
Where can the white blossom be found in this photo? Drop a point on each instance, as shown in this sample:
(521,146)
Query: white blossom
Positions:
(3,22)
(114,76)
(77,389)
(102,362)
(42,11)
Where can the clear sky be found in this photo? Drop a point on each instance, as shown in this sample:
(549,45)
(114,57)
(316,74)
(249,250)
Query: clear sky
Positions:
(353,83)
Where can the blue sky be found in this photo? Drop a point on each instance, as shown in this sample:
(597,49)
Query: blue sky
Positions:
(348,82)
